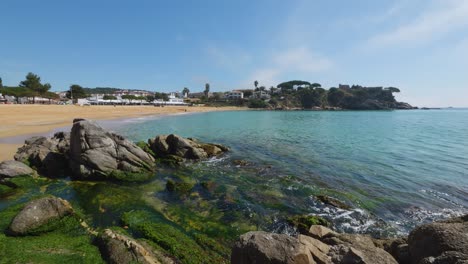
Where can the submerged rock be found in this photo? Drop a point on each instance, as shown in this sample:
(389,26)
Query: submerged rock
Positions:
(11,169)
(100,155)
(48,155)
(120,249)
(333,202)
(187,148)
(440,240)
(37,213)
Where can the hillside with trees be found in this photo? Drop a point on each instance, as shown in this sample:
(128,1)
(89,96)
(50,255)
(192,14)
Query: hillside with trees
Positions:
(306,95)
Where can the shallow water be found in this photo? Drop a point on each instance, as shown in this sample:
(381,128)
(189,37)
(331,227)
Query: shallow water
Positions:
(397,168)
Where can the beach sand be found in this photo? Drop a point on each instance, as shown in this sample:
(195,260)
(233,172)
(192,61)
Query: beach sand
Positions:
(17,120)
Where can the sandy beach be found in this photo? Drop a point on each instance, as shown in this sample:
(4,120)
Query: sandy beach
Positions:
(17,120)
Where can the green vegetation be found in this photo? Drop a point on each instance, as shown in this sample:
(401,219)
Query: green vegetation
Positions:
(101,90)
(257,103)
(181,188)
(185,91)
(56,242)
(109,97)
(33,83)
(76,92)
(207,90)
(304,222)
(186,248)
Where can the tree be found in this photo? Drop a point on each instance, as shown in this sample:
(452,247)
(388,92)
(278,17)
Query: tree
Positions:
(161,96)
(33,83)
(185,91)
(129,97)
(256,84)
(109,97)
(1,83)
(150,98)
(335,96)
(76,92)
(316,85)
(207,90)
(312,97)
(391,89)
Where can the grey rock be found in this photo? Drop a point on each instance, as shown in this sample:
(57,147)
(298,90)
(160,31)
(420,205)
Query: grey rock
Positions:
(263,247)
(357,249)
(121,249)
(432,240)
(48,155)
(37,213)
(397,247)
(99,155)
(187,148)
(12,169)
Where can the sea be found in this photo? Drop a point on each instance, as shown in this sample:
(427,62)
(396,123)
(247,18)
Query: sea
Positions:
(395,169)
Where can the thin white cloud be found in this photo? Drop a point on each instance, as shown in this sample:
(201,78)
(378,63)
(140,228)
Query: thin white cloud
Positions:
(434,22)
(300,61)
(232,59)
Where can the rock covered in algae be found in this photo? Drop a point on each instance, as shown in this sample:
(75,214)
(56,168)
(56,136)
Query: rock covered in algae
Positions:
(117,248)
(37,213)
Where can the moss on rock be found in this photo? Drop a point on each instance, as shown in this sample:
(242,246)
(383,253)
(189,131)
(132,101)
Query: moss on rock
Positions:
(304,222)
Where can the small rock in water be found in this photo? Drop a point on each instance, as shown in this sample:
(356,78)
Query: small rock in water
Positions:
(333,202)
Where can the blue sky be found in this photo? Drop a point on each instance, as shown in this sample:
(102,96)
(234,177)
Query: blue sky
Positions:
(420,46)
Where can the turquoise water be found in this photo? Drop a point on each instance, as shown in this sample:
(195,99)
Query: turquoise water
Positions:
(396,168)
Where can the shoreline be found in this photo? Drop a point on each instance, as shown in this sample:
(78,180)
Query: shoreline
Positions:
(20,122)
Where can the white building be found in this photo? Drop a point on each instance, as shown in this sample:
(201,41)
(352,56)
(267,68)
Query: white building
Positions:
(173,100)
(235,95)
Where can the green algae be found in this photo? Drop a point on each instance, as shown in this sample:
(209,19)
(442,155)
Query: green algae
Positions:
(49,248)
(146,147)
(172,239)
(58,241)
(304,222)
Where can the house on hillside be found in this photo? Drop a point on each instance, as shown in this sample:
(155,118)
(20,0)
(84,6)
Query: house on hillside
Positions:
(235,95)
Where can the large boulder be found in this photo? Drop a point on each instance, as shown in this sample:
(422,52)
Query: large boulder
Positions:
(37,213)
(12,169)
(263,247)
(121,249)
(48,155)
(440,240)
(187,148)
(98,154)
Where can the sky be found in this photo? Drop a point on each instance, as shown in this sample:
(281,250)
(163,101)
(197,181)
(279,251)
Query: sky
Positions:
(419,46)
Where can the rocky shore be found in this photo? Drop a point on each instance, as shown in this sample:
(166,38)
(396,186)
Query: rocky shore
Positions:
(91,154)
